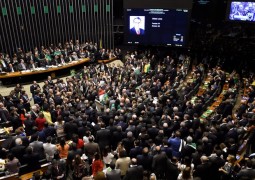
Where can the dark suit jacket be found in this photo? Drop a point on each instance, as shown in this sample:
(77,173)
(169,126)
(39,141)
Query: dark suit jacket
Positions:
(135,151)
(30,66)
(159,164)
(172,171)
(145,161)
(18,152)
(32,161)
(133,31)
(134,173)
(246,174)
(103,137)
(20,68)
(217,163)
(113,174)
(203,171)
(91,148)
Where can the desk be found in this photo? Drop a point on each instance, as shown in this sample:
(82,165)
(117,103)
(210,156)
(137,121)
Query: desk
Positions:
(30,175)
(217,102)
(17,77)
(54,69)
(107,60)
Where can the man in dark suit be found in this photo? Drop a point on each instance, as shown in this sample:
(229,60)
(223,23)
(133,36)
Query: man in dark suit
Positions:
(203,170)
(31,158)
(172,171)
(134,172)
(70,128)
(136,30)
(34,87)
(11,68)
(159,163)
(145,160)
(19,150)
(113,174)
(37,145)
(103,137)
(137,150)
(91,148)
(22,66)
(32,65)
(248,172)
(217,163)
(57,99)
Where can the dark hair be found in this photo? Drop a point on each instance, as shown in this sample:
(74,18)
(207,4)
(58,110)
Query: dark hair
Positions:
(49,139)
(97,156)
(123,154)
(62,142)
(10,156)
(77,159)
(29,150)
(112,165)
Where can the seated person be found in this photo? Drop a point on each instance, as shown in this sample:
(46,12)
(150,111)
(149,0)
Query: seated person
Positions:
(12,165)
(69,58)
(22,65)
(32,65)
(61,60)
(11,68)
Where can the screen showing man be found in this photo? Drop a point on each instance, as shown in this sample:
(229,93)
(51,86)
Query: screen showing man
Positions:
(137,25)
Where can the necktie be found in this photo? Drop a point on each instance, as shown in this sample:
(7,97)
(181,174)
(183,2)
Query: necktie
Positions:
(138,31)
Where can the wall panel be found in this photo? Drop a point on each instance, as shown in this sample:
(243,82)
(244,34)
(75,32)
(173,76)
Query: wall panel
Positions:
(29,23)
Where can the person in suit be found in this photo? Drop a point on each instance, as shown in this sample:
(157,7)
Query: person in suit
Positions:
(12,165)
(19,150)
(137,150)
(11,68)
(175,144)
(136,30)
(172,169)
(37,145)
(159,163)
(217,163)
(32,65)
(103,137)
(49,149)
(90,148)
(123,162)
(34,87)
(113,174)
(145,159)
(202,171)
(135,172)
(22,65)
(31,158)
(248,172)
(4,65)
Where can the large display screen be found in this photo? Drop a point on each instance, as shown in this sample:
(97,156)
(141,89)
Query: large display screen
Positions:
(242,11)
(157,26)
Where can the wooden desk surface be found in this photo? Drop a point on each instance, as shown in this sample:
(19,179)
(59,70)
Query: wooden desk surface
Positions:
(29,175)
(107,60)
(18,74)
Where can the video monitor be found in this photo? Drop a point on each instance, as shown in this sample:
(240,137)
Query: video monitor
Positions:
(241,11)
(156,26)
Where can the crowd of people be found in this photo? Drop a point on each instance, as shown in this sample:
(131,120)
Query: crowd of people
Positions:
(54,55)
(131,122)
